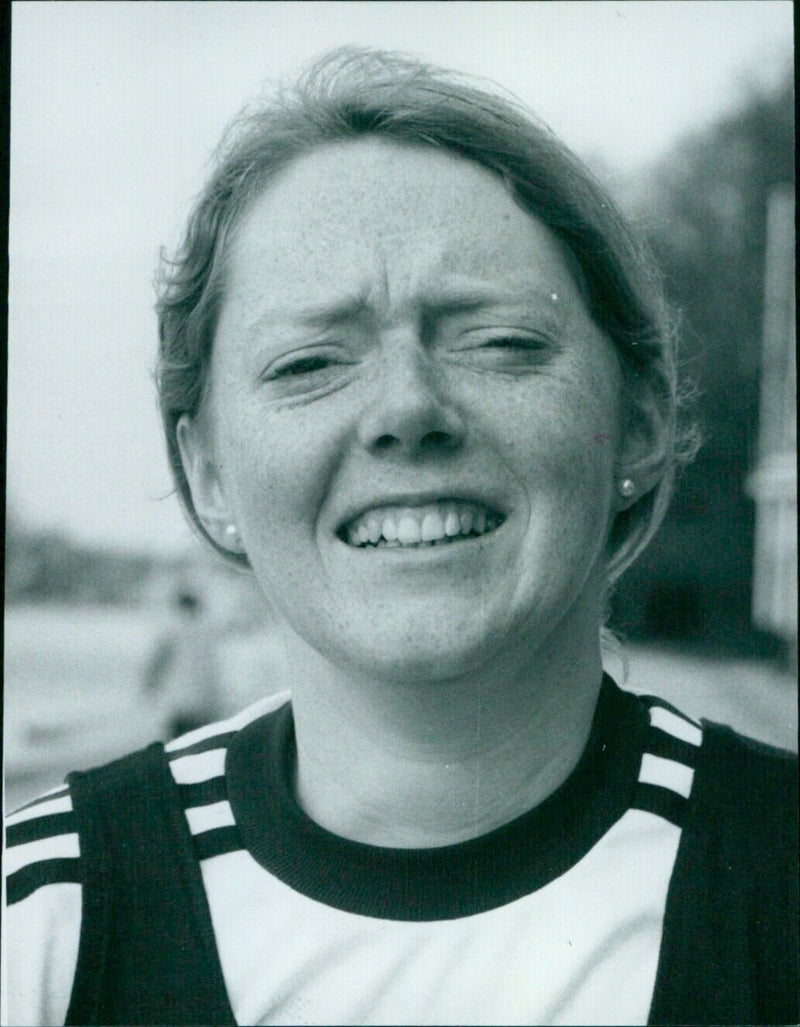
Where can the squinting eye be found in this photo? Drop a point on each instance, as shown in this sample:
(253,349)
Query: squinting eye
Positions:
(513,342)
(510,354)
(305,365)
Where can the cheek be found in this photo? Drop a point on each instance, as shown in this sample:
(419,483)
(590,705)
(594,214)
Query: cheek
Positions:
(276,469)
(562,442)
(565,426)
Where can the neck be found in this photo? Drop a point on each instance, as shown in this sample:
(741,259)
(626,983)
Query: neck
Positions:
(433,763)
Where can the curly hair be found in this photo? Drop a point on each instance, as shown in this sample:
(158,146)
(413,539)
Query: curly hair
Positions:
(351,93)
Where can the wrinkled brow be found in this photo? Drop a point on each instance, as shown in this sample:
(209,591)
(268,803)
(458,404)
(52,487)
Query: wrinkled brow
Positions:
(430,303)
(317,315)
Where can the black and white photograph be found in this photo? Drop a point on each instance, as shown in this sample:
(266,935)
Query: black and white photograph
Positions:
(401,514)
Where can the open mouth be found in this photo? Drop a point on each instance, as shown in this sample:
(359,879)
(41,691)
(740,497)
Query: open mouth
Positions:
(417,527)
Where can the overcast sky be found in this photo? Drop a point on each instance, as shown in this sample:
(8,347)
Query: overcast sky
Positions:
(116,107)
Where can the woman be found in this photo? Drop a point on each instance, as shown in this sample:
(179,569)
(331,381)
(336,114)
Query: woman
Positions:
(418,376)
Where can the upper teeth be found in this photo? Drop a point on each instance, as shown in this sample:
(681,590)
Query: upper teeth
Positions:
(411,525)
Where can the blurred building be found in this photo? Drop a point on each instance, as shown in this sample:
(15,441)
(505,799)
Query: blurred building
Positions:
(773,483)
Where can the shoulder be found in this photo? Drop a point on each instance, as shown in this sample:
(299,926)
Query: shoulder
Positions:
(755,781)
(42,919)
(53,843)
(42,845)
(203,750)
(743,826)
(729,949)
(744,822)
(45,838)
(730,768)
(742,794)
(746,826)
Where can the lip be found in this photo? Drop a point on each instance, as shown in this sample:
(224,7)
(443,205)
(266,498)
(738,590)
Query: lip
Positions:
(412,499)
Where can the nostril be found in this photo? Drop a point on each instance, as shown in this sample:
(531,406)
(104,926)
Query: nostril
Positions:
(437,438)
(430,440)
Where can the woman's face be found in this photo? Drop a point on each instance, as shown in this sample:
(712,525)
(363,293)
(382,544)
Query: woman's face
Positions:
(413,421)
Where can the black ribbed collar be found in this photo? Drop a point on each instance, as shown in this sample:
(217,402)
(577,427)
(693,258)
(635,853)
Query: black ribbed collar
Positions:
(447,881)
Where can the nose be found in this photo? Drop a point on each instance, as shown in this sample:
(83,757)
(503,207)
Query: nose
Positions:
(409,410)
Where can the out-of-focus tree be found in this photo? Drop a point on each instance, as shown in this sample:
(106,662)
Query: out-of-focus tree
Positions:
(706,207)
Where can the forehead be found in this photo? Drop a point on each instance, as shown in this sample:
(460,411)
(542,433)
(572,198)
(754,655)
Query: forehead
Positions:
(385,219)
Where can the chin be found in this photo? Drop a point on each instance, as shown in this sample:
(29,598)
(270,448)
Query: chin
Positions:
(407,668)
(422,651)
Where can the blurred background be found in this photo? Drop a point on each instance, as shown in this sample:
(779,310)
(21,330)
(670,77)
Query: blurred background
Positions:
(119,628)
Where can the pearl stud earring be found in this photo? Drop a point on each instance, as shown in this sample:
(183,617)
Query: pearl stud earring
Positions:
(626,487)
(231,534)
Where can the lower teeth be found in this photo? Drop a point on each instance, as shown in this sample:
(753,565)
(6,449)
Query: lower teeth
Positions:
(384,544)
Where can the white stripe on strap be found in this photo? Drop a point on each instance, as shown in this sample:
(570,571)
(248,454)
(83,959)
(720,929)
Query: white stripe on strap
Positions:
(201,766)
(678,727)
(206,818)
(199,734)
(260,708)
(234,723)
(63,804)
(670,774)
(51,791)
(60,846)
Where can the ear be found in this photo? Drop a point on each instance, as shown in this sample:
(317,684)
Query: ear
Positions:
(644,443)
(205,484)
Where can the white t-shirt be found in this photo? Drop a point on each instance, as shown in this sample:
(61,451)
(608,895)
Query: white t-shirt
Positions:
(555,918)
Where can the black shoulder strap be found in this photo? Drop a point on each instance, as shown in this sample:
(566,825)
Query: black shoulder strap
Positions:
(147,951)
(729,953)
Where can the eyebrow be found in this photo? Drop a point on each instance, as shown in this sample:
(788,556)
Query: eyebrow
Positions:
(461,297)
(319,315)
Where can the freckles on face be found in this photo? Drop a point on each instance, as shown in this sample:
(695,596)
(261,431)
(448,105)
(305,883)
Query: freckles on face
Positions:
(548,439)
(276,468)
(399,340)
